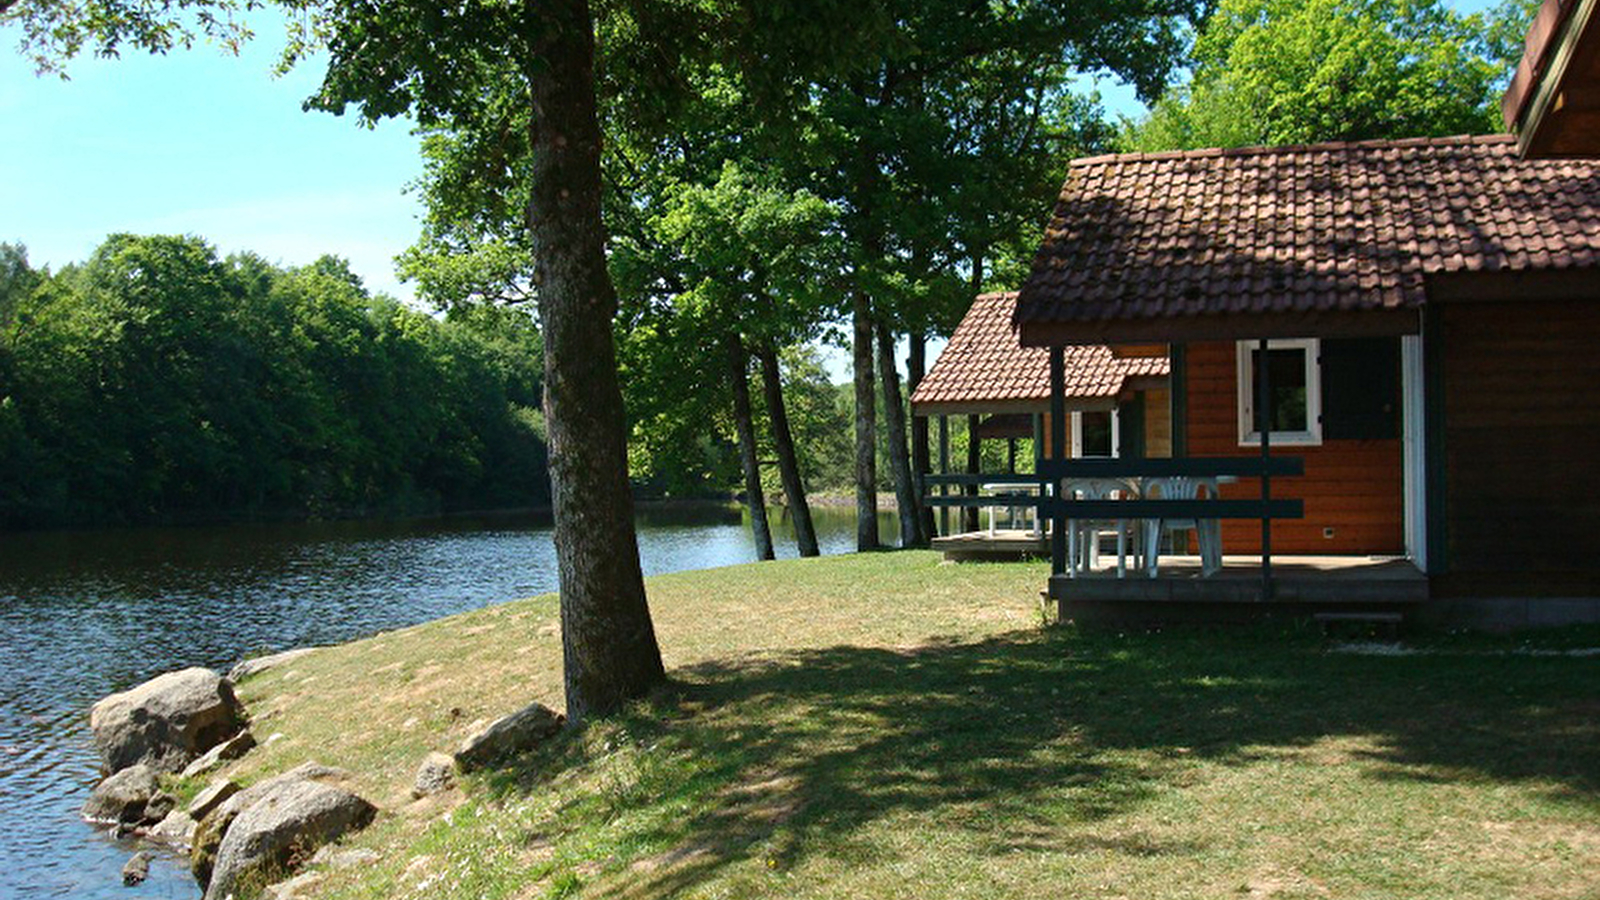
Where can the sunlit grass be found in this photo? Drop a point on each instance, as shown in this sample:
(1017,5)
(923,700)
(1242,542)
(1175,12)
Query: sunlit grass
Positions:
(883,725)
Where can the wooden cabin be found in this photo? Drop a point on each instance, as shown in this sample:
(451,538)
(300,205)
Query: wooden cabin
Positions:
(1412,324)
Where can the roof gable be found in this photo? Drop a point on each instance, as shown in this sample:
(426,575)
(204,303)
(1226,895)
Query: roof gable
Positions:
(984,368)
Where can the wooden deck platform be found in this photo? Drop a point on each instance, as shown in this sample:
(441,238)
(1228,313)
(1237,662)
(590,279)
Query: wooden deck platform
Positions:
(981,546)
(1302,586)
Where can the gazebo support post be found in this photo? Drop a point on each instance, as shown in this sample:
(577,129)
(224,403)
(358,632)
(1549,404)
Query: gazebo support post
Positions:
(944,469)
(1264,406)
(969,515)
(1058,453)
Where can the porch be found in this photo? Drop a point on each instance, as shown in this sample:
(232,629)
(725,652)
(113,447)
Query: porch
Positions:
(1300,586)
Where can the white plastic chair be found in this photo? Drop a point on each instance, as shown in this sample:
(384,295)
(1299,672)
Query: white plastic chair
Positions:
(1208,532)
(1083,535)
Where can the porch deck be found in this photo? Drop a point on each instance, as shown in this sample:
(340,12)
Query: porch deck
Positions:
(1302,586)
(1000,546)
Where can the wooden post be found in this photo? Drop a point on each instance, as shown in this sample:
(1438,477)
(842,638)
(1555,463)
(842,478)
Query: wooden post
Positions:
(944,469)
(1058,453)
(1038,460)
(969,515)
(1038,441)
(1264,411)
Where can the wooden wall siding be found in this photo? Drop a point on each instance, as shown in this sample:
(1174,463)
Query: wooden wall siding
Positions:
(1350,486)
(1522,429)
(1071,435)
(1158,423)
(1157,426)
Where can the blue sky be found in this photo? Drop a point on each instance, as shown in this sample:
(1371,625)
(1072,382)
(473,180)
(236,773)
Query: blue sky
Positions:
(204,143)
(200,142)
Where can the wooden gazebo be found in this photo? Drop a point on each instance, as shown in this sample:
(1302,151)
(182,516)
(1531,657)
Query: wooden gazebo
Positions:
(1116,404)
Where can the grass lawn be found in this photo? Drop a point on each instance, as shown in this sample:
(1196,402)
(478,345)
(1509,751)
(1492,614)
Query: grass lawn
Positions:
(883,725)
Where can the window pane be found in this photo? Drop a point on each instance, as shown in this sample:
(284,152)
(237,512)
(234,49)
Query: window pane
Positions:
(1287,380)
(1096,433)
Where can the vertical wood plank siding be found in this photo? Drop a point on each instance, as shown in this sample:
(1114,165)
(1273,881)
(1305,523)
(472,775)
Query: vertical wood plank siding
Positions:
(1522,406)
(1352,487)
(1158,423)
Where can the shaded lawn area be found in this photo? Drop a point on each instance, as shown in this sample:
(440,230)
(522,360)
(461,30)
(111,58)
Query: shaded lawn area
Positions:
(882,725)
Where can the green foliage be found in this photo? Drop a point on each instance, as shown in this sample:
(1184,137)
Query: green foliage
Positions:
(738,257)
(944,149)
(54,32)
(1299,71)
(156,382)
(762,159)
(822,426)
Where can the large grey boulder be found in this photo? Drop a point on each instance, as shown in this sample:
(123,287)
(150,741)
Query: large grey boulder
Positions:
(122,798)
(166,722)
(520,731)
(281,829)
(248,667)
(223,807)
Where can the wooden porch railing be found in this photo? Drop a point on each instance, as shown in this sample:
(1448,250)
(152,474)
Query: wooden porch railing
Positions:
(1061,509)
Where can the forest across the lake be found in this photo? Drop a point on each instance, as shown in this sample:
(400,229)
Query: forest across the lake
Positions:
(159,381)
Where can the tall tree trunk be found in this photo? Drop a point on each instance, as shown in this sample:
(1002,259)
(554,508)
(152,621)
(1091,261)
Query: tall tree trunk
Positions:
(866,425)
(921,457)
(894,419)
(969,515)
(744,426)
(788,465)
(609,646)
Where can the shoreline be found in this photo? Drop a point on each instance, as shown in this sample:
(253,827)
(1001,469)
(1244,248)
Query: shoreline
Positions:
(827,500)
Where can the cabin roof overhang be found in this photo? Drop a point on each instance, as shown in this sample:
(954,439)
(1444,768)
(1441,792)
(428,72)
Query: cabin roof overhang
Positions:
(1226,327)
(1553,102)
(1339,239)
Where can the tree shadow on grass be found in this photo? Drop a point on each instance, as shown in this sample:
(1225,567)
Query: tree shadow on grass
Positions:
(1013,737)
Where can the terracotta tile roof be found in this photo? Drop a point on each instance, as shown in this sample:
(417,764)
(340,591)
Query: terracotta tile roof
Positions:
(983,365)
(1343,226)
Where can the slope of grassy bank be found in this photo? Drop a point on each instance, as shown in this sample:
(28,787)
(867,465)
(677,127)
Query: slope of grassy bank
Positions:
(884,725)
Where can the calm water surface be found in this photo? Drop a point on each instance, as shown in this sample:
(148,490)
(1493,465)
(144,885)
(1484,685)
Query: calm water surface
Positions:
(84,614)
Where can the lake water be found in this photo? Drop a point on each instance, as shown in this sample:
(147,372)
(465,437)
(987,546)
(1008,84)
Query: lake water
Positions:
(84,614)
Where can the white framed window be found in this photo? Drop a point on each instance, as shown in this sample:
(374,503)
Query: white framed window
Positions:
(1096,433)
(1294,376)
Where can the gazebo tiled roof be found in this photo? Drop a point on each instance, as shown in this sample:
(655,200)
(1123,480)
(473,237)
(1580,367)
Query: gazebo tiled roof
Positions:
(984,370)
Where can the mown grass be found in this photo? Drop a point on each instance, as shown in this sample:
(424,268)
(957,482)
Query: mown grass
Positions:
(883,725)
